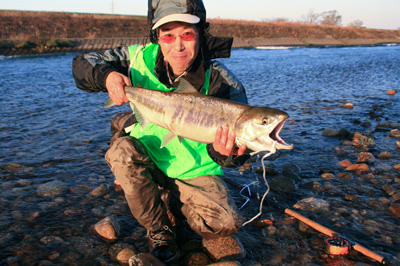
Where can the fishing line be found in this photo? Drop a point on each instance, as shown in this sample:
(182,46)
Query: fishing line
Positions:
(266,183)
(249,191)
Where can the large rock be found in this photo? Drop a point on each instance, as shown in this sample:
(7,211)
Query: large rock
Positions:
(108,229)
(344,163)
(358,168)
(52,188)
(312,205)
(385,155)
(282,184)
(395,133)
(330,132)
(290,168)
(395,209)
(365,157)
(145,259)
(100,191)
(125,254)
(224,248)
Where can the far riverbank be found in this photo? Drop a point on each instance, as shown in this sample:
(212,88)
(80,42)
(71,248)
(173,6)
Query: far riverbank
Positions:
(83,45)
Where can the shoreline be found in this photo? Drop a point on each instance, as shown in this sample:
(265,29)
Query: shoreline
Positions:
(101,44)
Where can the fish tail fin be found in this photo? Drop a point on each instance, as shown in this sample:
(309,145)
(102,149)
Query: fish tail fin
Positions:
(108,103)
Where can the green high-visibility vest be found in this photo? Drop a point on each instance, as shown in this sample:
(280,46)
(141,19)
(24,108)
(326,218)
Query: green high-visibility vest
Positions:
(186,159)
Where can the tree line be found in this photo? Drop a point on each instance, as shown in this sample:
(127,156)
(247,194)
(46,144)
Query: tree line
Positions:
(328,18)
(331,17)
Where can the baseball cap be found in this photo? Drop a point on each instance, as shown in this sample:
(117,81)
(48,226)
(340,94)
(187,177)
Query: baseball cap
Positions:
(163,11)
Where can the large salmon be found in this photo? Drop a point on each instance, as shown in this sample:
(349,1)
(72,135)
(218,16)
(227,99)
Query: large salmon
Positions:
(189,114)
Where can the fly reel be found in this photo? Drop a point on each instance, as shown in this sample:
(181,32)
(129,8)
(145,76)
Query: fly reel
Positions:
(337,246)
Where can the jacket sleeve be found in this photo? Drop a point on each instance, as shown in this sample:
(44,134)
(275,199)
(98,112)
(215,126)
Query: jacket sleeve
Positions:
(223,84)
(91,70)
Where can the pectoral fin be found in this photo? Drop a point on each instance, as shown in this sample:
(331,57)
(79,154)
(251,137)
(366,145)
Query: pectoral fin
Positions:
(143,122)
(167,139)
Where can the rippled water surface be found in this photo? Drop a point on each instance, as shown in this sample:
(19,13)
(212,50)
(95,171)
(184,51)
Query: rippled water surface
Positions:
(312,84)
(50,130)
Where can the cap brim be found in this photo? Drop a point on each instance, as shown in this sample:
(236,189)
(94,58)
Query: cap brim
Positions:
(188,18)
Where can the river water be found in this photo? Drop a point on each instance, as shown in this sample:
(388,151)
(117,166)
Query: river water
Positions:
(52,131)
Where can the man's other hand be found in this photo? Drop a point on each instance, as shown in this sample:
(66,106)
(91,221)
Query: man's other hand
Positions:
(115,83)
(224,144)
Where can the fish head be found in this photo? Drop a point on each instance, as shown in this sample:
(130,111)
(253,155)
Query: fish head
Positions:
(259,127)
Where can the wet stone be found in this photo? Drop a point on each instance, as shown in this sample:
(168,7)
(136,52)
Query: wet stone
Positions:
(366,124)
(365,157)
(282,184)
(347,105)
(344,163)
(329,132)
(344,133)
(395,209)
(100,191)
(293,176)
(362,141)
(314,185)
(312,205)
(51,240)
(196,259)
(358,168)
(13,166)
(395,133)
(108,229)
(116,249)
(125,254)
(45,263)
(346,176)
(395,197)
(389,190)
(52,188)
(143,259)
(224,248)
(388,124)
(290,168)
(328,176)
(385,155)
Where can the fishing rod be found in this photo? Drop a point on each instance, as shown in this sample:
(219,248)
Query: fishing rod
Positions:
(337,243)
(333,235)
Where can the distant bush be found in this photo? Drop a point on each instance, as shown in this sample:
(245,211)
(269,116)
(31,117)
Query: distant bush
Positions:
(356,23)
(25,44)
(58,43)
(39,44)
(6,45)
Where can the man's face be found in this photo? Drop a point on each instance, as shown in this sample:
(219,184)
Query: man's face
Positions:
(178,52)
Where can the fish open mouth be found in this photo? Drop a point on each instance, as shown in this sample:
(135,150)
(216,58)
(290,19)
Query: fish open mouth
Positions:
(279,142)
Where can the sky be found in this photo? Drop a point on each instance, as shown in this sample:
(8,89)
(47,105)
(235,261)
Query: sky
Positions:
(377,14)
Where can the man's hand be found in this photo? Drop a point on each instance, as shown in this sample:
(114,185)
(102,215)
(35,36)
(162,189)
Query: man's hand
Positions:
(224,143)
(115,83)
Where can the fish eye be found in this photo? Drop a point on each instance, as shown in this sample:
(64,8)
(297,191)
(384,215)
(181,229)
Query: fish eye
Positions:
(265,121)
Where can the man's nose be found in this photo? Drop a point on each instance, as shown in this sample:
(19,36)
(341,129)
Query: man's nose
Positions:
(178,44)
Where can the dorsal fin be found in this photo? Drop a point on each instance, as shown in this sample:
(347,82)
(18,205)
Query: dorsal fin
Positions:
(185,87)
